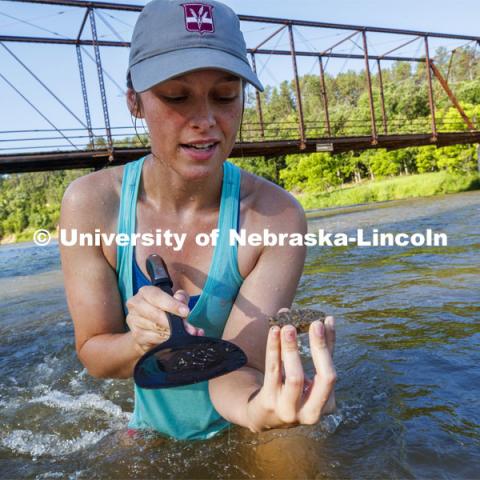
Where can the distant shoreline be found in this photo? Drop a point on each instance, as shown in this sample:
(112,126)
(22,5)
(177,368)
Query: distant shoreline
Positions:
(353,197)
(396,188)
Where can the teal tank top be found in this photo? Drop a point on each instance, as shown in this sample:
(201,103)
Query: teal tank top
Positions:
(185,412)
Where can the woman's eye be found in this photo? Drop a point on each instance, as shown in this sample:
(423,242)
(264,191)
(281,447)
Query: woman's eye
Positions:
(178,99)
(227,99)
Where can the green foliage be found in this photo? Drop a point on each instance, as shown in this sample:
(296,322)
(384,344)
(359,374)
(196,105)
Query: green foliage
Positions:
(32,200)
(407,100)
(347,88)
(426,159)
(457,158)
(469,91)
(281,102)
(392,189)
(268,169)
(317,171)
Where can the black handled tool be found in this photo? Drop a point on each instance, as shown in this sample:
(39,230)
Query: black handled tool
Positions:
(183,359)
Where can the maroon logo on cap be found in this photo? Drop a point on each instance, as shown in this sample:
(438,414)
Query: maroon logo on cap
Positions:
(198,17)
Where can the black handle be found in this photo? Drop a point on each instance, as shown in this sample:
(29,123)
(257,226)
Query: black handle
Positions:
(158,273)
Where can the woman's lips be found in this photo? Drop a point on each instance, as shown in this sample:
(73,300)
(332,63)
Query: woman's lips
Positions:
(199,154)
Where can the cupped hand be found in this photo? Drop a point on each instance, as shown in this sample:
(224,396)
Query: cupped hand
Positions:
(293,399)
(148,321)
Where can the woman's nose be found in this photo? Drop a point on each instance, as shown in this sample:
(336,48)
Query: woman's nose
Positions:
(203,116)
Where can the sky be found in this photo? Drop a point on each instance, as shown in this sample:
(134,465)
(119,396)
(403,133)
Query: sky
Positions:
(56,65)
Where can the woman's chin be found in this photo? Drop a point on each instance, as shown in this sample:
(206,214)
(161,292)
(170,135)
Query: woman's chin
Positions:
(194,169)
(196,172)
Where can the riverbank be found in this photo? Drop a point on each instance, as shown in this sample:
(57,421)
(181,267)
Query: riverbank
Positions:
(397,188)
(370,192)
(25,236)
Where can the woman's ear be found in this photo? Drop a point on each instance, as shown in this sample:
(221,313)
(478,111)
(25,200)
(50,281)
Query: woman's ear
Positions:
(134,103)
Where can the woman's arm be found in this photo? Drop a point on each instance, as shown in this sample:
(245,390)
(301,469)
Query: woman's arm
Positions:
(102,342)
(240,396)
(91,285)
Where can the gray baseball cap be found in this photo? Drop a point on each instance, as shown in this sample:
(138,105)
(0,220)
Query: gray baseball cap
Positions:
(173,37)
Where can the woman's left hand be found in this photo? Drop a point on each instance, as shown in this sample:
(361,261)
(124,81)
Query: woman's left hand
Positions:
(294,399)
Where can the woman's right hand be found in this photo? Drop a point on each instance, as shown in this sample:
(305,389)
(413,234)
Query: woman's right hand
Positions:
(148,321)
(292,399)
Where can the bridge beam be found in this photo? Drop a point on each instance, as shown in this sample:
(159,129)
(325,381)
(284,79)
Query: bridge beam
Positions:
(382,98)
(259,100)
(325,97)
(101,83)
(98,159)
(83,85)
(301,121)
(370,93)
(115,43)
(431,100)
(258,19)
(451,95)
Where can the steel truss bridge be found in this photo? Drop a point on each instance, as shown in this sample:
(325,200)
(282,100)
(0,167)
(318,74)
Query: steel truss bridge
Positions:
(261,138)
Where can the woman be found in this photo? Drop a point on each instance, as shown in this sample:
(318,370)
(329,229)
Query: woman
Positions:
(187,72)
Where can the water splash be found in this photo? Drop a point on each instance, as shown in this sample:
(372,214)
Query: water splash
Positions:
(43,444)
(86,401)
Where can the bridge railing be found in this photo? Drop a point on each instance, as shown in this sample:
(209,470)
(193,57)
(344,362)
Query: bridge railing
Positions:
(29,141)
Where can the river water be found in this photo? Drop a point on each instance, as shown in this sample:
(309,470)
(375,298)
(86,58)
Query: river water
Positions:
(408,356)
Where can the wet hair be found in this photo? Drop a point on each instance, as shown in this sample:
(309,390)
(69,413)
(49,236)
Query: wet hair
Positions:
(129,81)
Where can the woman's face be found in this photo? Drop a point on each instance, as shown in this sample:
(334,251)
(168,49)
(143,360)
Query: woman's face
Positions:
(193,120)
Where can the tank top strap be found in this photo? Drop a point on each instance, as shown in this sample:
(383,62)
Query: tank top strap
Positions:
(230,195)
(229,210)
(127,212)
(223,279)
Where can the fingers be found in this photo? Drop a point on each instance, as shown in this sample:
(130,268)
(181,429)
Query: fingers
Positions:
(330,334)
(182,296)
(273,373)
(148,320)
(152,316)
(319,349)
(152,303)
(193,330)
(292,390)
(164,301)
(145,338)
(325,378)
